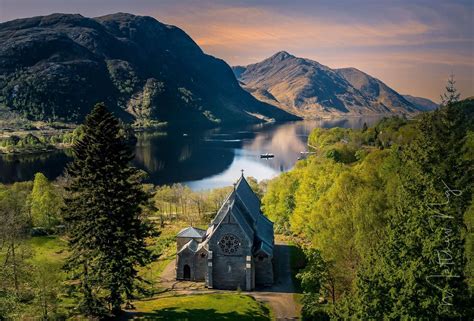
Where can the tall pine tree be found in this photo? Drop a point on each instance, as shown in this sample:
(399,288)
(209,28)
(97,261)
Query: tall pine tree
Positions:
(103,215)
(451,95)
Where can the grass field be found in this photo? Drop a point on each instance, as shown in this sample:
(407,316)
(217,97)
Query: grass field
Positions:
(50,249)
(165,247)
(48,253)
(203,307)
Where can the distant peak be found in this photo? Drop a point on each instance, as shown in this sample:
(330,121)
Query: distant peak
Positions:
(282,55)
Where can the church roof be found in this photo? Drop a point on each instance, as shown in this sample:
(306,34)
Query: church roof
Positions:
(192,245)
(264,247)
(248,197)
(191,232)
(245,208)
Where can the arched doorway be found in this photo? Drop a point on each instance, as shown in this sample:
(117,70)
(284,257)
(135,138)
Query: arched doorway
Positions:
(186,272)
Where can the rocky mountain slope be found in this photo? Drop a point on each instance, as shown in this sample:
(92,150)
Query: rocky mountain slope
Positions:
(57,67)
(422,104)
(307,88)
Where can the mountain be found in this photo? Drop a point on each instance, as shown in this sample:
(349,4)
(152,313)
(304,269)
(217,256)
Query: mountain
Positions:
(57,67)
(422,104)
(309,89)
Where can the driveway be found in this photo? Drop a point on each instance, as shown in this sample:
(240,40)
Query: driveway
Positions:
(280,296)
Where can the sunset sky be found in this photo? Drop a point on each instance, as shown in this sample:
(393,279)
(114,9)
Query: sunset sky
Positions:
(410,45)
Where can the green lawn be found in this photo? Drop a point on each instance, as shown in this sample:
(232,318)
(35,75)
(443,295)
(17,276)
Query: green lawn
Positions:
(48,249)
(49,252)
(201,307)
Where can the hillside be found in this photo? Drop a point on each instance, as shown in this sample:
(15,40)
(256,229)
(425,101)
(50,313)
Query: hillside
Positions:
(421,103)
(57,67)
(310,89)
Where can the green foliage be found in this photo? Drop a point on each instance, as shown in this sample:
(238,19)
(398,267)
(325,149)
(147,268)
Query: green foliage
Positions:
(29,143)
(102,211)
(278,202)
(418,271)
(316,282)
(179,202)
(451,95)
(370,216)
(46,203)
(15,272)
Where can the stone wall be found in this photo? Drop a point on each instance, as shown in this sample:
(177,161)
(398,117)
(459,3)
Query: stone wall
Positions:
(200,265)
(229,271)
(184,258)
(263,271)
(197,263)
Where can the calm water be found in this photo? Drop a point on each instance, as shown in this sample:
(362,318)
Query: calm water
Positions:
(200,160)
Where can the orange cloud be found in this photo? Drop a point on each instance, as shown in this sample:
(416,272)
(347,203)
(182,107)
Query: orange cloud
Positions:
(390,48)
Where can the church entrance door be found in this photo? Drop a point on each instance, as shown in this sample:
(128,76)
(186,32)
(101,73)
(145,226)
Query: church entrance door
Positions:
(186,272)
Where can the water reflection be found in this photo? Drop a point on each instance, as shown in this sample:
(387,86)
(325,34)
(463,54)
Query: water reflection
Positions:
(202,160)
(285,141)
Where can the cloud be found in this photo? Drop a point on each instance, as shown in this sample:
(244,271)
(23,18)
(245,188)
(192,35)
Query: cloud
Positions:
(232,27)
(390,41)
(411,44)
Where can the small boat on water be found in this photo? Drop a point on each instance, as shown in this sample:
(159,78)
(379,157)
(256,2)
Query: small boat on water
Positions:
(267,155)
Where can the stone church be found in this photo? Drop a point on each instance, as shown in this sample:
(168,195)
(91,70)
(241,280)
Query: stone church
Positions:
(236,251)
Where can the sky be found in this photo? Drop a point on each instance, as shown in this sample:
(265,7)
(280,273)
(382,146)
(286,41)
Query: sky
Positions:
(411,45)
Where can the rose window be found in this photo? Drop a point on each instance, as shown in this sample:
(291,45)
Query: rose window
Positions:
(229,244)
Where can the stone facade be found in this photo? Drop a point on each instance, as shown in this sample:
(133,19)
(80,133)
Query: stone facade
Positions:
(236,251)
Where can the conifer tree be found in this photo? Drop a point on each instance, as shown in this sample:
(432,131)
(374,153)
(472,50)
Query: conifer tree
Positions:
(103,215)
(451,95)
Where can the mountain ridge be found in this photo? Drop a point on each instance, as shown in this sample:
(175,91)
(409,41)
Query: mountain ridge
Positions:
(58,66)
(309,89)
(423,104)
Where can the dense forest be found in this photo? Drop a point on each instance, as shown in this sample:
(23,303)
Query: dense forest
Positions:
(384,215)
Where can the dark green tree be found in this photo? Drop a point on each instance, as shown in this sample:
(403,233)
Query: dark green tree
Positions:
(317,283)
(418,272)
(451,95)
(106,230)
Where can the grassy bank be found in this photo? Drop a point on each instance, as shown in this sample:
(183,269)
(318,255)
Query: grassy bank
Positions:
(202,307)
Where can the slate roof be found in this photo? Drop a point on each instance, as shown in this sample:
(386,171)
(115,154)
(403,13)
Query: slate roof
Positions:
(244,206)
(192,232)
(192,245)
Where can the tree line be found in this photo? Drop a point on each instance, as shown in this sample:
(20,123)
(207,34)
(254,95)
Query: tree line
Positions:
(385,217)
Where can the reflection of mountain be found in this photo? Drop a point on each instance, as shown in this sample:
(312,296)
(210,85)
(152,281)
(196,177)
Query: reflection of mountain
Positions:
(350,122)
(176,158)
(203,160)
(24,167)
(285,141)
